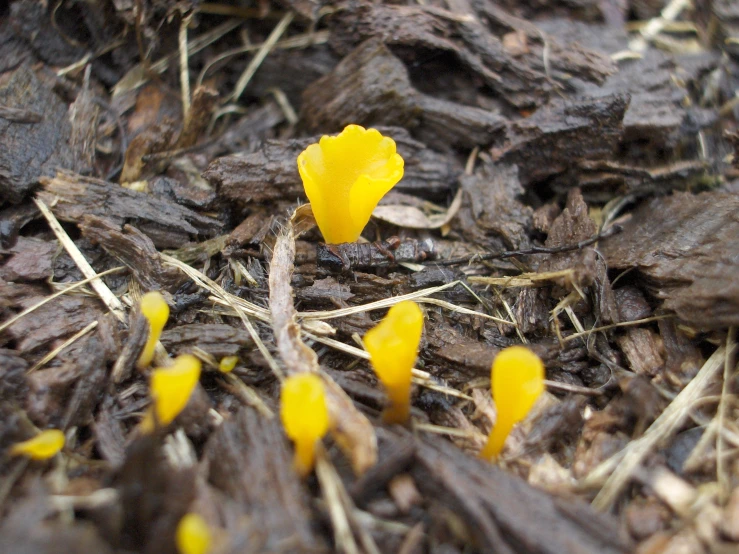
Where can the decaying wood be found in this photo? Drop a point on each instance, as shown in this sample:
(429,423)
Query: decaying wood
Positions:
(272,174)
(154,139)
(89,391)
(28,525)
(32,148)
(562,133)
(599,178)
(500,505)
(73,196)
(492,198)
(217,340)
(138,331)
(70,314)
(12,219)
(371,87)
(291,74)
(13,385)
(33,23)
(641,347)
(688,246)
(656,111)
(572,225)
(525,129)
(133,249)
(345,257)
(30,259)
(153,496)
(250,463)
(474,36)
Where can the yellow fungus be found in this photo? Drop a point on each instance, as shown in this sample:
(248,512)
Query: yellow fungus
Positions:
(193,535)
(305,417)
(43,446)
(227,364)
(156,311)
(171,388)
(345,177)
(517,381)
(393,349)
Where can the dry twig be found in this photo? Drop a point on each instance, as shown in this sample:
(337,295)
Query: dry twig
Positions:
(352,429)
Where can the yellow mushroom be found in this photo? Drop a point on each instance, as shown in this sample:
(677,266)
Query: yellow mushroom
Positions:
(193,535)
(156,311)
(345,177)
(393,349)
(43,446)
(305,417)
(517,380)
(227,364)
(171,388)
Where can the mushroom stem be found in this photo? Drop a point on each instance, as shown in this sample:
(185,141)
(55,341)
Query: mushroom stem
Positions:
(496,440)
(305,456)
(399,405)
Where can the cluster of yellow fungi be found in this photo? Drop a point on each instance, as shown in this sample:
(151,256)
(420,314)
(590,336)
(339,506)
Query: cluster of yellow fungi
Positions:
(171,386)
(345,177)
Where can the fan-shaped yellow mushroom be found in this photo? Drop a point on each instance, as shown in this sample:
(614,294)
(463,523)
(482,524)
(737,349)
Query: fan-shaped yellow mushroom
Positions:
(345,177)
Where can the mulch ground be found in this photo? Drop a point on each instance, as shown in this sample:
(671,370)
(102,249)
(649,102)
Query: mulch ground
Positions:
(571,183)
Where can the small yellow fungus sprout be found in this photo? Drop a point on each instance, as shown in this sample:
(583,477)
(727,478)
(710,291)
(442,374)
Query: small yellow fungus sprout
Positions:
(305,417)
(345,177)
(43,446)
(193,535)
(171,388)
(156,311)
(393,349)
(517,381)
(227,364)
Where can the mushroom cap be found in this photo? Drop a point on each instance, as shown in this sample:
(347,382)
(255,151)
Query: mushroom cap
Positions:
(345,177)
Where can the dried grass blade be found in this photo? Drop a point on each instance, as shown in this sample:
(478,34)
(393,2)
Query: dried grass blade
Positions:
(228,299)
(51,297)
(54,353)
(378,305)
(106,295)
(138,74)
(257,60)
(622,465)
(330,487)
(420,378)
